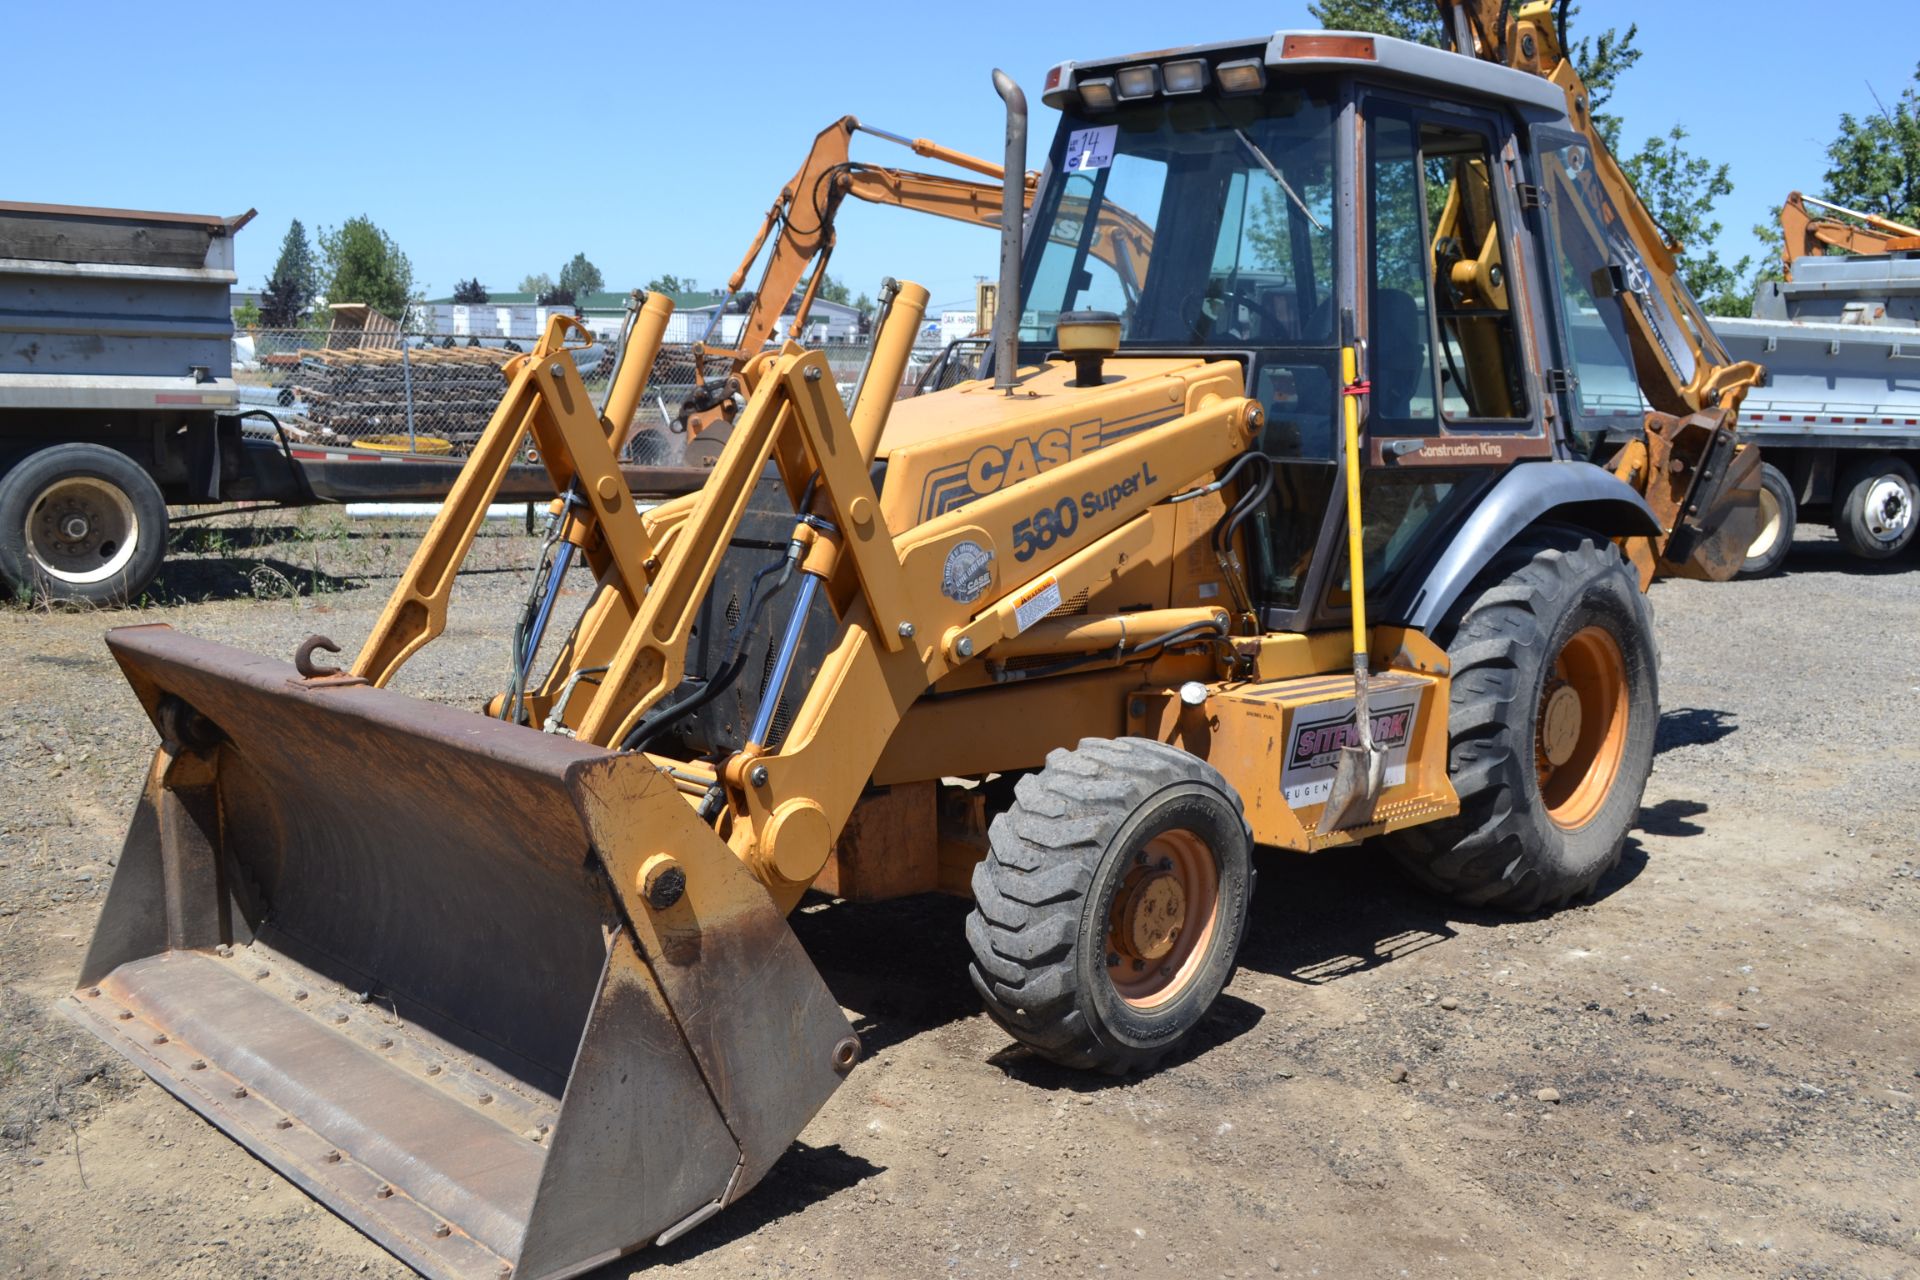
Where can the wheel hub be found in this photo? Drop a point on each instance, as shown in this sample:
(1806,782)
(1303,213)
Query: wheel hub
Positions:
(1560,724)
(81,530)
(1888,509)
(1153,914)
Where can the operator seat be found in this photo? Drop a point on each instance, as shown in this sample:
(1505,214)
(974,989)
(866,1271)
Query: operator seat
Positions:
(1399,353)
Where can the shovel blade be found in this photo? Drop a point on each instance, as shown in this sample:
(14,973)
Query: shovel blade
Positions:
(1357,780)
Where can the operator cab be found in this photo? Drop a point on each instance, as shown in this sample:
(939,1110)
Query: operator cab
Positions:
(1272,201)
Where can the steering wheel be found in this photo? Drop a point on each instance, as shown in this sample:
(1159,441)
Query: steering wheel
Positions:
(1232,317)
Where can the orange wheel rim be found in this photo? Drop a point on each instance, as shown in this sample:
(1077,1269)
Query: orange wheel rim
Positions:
(1162,919)
(1581,729)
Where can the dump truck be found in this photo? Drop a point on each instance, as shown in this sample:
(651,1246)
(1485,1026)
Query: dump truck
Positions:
(118,401)
(1286,540)
(1838,414)
(116,365)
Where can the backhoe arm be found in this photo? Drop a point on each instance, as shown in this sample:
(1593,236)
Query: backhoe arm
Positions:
(1699,480)
(1682,367)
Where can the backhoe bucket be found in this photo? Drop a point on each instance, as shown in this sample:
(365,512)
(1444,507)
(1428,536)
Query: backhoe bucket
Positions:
(401,953)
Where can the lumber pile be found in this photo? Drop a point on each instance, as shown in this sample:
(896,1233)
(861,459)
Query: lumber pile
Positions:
(364,392)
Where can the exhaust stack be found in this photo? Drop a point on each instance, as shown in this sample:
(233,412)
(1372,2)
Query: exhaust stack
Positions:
(1006,307)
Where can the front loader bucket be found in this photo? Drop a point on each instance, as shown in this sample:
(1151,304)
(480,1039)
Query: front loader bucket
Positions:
(399,952)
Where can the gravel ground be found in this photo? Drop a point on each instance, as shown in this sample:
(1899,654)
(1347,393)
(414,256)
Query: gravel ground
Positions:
(1711,1069)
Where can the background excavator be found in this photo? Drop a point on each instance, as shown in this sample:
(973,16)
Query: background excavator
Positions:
(1802,235)
(797,236)
(1282,535)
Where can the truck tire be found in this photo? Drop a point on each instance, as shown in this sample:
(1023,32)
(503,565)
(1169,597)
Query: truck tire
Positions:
(1555,702)
(1779,517)
(1109,910)
(1876,517)
(81,523)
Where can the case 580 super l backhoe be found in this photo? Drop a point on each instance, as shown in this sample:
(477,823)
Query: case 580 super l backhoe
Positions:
(1285,540)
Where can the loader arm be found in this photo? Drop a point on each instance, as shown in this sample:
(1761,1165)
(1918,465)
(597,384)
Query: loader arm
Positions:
(1699,480)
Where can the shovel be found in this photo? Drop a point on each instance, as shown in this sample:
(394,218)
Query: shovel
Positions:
(1363,765)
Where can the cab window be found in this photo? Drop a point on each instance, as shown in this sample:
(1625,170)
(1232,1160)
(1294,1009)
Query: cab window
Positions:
(1443,343)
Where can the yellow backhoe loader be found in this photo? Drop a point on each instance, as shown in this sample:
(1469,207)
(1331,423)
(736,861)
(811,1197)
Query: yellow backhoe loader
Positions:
(1287,540)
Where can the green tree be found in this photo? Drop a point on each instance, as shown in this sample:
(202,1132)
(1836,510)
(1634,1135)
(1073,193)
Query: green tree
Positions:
(536,284)
(669,284)
(470,292)
(580,277)
(1415,20)
(863,304)
(246,316)
(1876,160)
(290,288)
(1680,190)
(363,264)
(832,290)
(557,296)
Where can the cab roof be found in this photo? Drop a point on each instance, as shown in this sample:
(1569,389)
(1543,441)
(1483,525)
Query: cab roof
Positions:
(1440,71)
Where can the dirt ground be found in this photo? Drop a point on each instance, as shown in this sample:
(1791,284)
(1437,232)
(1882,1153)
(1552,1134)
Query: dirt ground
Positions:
(1731,1028)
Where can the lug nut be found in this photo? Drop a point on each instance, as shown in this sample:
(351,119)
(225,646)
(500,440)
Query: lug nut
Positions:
(240,1092)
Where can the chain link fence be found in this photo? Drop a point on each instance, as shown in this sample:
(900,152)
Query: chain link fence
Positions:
(434,393)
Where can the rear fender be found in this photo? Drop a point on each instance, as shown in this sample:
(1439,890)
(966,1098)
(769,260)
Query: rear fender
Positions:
(1578,494)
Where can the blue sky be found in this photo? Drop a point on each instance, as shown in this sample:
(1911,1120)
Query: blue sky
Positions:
(497,140)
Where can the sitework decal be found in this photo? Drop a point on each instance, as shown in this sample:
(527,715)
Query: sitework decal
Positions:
(1322,729)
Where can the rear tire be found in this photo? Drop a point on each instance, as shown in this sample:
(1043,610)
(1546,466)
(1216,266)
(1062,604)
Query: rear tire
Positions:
(1876,517)
(81,523)
(1779,517)
(1554,706)
(1110,908)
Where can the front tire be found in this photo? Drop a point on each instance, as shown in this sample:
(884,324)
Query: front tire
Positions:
(1876,519)
(1554,706)
(1779,517)
(81,523)
(1109,910)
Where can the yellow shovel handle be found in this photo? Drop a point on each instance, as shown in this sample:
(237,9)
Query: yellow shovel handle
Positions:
(1350,406)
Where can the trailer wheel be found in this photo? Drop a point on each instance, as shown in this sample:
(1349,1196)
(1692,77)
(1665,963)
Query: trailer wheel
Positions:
(1109,911)
(1551,727)
(1876,518)
(1779,517)
(81,523)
